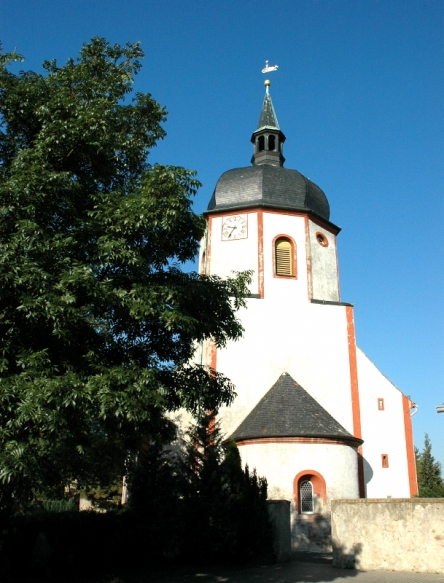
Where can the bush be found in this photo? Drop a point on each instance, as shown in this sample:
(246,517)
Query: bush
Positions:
(67,505)
(203,508)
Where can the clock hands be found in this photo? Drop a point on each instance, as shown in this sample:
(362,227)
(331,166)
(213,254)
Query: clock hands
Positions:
(234,227)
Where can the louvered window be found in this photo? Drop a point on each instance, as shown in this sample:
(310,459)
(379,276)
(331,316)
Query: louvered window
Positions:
(306,494)
(283,257)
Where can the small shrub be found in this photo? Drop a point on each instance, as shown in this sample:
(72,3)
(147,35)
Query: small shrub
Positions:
(66,505)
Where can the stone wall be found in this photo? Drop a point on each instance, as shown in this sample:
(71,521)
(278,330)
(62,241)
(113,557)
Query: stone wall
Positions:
(391,534)
(311,532)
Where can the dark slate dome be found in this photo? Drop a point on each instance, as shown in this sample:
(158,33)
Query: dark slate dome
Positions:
(269,186)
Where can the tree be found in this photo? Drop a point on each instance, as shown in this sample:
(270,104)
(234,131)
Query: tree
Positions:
(430,482)
(97,321)
(225,505)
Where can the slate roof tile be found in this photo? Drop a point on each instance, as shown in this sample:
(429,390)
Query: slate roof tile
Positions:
(287,410)
(268,117)
(268,186)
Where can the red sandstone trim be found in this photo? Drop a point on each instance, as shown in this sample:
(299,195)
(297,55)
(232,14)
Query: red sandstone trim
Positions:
(330,227)
(321,239)
(276,440)
(356,410)
(318,482)
(234,212)
(213,355)
(411,462)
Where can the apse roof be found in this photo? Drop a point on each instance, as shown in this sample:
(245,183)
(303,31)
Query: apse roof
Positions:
(287,410)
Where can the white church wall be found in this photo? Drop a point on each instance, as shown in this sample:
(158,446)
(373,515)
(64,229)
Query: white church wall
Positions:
(280,463)
(286,289)
(323,368)
(383,433)
(308,341)
(226,256)
(324,266)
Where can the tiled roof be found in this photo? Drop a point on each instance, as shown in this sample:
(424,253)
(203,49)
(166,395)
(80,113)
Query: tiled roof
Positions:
(287,410)
(268,186)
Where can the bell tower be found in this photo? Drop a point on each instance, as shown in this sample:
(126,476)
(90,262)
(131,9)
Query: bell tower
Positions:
(308,400)
(273,221)
(268,140)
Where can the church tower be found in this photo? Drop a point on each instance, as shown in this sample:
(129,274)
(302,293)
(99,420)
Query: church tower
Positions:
(312,414)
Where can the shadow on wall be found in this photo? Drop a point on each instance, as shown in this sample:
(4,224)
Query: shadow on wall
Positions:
(368,471)
(311,532)
(346,559)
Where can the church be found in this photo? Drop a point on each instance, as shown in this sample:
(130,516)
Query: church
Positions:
(313,414)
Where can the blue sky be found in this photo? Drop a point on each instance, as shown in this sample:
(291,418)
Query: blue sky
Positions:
(359,94)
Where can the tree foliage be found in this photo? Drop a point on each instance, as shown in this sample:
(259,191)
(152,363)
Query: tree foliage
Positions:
(200,505)
(226,505)
(430,481)
(97,321)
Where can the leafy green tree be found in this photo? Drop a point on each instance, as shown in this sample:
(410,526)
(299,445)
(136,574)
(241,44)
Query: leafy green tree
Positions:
(97,321)
(430,482)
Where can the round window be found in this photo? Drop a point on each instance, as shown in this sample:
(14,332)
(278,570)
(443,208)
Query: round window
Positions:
(321,239)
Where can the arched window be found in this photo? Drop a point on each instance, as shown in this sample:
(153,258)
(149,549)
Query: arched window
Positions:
(283,257)
(310,492)
(306,497)
(261,143)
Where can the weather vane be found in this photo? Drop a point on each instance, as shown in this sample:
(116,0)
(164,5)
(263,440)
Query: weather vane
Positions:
(269,68)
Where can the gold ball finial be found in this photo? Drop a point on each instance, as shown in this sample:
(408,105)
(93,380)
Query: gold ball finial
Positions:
(267,83)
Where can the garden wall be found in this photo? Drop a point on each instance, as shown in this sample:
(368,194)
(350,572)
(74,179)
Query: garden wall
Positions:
(391,534)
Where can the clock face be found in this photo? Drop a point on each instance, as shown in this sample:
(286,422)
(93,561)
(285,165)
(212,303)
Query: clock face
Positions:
(234,227)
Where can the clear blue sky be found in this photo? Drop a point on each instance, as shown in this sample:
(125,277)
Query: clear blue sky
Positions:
(359,94)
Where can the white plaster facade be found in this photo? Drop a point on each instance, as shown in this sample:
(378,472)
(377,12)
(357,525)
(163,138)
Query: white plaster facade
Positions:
(276,461)
(386,431)
(296,324)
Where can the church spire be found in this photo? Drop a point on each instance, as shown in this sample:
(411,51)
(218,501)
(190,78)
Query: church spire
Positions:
(268,138)
(268,117)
